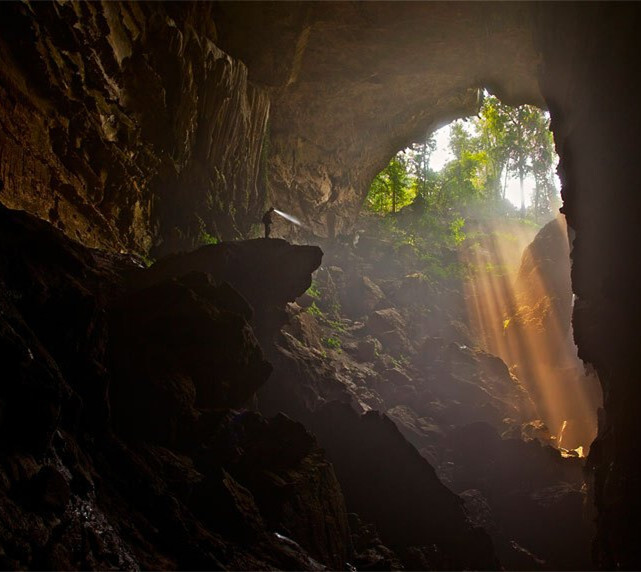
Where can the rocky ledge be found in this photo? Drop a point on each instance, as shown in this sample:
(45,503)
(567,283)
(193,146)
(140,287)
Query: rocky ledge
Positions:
(121,442)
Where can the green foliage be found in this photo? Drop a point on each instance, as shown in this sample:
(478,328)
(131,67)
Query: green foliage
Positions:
(313,290)
(391,188)
(401,361)
(314,310)
(456,227)
(332,342)
(336,325)
(147,260)
(502,142)
(206,238)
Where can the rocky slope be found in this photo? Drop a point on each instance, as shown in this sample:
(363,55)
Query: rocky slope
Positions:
(124,439)
(378,333)
(121,447)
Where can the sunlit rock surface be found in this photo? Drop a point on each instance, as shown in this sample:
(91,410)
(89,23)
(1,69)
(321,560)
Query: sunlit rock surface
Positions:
(125,126)
(539,323)
(441,390)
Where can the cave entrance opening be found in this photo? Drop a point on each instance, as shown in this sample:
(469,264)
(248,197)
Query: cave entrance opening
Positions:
(449,309)
(475,204)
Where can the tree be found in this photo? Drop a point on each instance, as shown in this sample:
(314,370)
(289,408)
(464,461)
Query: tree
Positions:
(418,162)
(501,142)
(391,188)
(518,142)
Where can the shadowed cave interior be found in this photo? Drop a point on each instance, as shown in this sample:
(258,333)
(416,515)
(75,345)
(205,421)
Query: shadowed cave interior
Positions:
(178,392)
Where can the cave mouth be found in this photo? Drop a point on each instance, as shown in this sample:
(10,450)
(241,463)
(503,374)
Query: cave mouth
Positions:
(486,187)
(449,310)
(143,126)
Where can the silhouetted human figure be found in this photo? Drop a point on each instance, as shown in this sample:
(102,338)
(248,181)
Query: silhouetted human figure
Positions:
(268,220)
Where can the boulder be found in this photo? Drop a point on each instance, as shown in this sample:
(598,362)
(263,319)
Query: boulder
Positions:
(268,273)
(291,482)
(367,452)
(415,290)
(180,346)
(360,295)
(535,496)
(389,327)
(368,349)
(385,320)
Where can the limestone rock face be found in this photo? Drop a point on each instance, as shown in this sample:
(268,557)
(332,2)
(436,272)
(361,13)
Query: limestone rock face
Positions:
(540,317)
(136,127)
(598,170)
(119,445)
(125,126)
(130,128)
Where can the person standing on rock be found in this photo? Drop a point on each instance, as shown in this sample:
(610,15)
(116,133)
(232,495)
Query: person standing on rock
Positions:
(268,220)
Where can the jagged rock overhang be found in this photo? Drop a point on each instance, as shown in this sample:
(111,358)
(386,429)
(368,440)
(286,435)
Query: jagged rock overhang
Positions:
(360,81)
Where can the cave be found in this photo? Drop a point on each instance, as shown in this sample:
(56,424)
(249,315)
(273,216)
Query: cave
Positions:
(157,407)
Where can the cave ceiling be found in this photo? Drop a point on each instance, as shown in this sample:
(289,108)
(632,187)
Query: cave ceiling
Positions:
(353,82)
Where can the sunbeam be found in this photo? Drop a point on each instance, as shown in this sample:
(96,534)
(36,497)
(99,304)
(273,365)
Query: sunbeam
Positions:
(520,309)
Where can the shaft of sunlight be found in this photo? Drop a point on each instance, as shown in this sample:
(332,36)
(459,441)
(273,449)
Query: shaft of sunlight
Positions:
(527,330)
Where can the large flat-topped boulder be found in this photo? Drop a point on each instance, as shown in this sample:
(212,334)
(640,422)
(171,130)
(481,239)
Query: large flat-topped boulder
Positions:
(265,271)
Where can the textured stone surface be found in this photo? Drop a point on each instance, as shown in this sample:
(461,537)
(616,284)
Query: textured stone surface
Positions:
(354,83)
(374,462)
(125,126)
(118,449)
(595,118)
(102,134)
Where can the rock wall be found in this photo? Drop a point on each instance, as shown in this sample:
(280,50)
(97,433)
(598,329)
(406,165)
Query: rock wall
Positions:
(590,82)
(126,126)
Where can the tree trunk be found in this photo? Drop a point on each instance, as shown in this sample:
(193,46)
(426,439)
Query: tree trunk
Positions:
(521,177)
(505,182)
